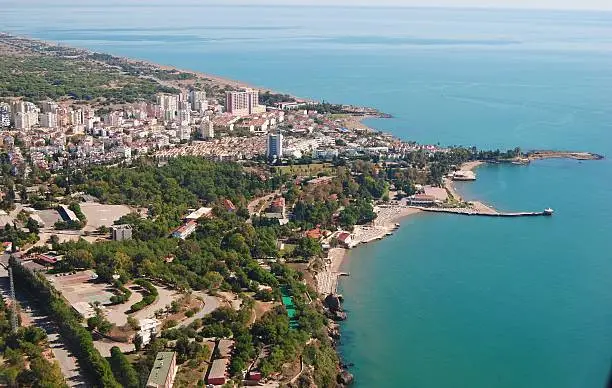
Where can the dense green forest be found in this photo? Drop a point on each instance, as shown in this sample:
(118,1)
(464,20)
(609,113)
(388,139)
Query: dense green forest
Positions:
(40,77)
(220,255)
(186,181)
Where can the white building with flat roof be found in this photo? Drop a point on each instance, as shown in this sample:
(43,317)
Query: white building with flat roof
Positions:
(5,116)
(169,104)
(25,120)
(197,98)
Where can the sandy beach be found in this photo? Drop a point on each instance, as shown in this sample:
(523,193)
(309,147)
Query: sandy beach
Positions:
(388,216)
(327,280)
(385,223)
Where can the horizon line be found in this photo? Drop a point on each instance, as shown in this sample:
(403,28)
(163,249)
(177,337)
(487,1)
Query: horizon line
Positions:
(107,3)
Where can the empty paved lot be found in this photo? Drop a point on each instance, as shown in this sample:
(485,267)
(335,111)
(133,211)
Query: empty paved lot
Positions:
(102,215)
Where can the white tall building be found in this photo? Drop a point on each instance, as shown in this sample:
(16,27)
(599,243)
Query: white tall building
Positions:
(48,120)
(113,119)
(77,117)
(184,116)
(25,120)
(5,116)
(197,98)
(184,133)
(169,103)
(49,106)
(243,103)
(274,146)
(207,130)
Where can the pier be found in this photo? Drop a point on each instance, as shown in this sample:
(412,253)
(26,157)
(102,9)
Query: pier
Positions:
(487,212)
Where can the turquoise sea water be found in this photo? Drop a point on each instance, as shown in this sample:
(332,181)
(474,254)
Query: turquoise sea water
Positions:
(447,301)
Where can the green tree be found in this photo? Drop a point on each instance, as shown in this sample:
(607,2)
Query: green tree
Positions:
(122,369)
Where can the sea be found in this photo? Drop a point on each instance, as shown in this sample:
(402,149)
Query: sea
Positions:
(447,301)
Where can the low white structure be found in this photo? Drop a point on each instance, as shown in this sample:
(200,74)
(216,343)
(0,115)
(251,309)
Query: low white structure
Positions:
(199,213)
(464,176)
(148,328)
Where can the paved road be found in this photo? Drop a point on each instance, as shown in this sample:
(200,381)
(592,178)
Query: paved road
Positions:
(211,303)
(68,363)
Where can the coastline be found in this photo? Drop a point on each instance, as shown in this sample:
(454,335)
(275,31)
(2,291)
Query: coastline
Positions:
(388,215)
(387,221)
(449,183)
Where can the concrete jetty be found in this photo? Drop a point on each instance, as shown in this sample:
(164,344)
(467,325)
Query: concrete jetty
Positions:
(487,213)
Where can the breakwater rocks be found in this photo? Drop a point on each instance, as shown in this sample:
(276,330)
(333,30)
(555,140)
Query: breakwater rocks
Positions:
(333,304)
(345,378)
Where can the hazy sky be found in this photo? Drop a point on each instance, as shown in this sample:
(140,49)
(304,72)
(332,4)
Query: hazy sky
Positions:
(545,4)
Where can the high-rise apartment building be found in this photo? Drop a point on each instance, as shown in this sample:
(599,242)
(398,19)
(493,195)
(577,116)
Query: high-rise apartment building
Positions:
(25,120)
(274,147)
(49,106)
(5,116)
(184,116)
(48,120)
(76,117)
(243,103)
(197,98)
(169,103)
(207,130)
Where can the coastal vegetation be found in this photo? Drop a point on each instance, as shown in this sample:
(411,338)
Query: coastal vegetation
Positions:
(219,256)
(270,99)
(37,78)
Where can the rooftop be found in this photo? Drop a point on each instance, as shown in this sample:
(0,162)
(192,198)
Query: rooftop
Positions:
(218,368)
(201,212)
(161,368)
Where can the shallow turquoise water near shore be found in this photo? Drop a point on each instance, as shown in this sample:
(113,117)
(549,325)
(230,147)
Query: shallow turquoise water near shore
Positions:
(460,301)
(447,301)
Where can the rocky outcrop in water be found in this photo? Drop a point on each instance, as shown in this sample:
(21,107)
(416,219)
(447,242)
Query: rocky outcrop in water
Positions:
(345,378)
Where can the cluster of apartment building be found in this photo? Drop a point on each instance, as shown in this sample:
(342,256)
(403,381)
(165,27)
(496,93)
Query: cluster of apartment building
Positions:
(57,135)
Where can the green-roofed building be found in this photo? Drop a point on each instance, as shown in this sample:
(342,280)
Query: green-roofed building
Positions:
(163,371)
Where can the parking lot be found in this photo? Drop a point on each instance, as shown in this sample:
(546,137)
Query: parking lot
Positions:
(80,288)
(102,215)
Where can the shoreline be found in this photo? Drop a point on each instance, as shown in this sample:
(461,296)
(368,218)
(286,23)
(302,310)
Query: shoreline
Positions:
(216,80)
(387,215)
(387,221)
(449,184)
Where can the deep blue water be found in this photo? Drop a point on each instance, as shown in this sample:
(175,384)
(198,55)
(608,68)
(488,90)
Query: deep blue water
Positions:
(447,301)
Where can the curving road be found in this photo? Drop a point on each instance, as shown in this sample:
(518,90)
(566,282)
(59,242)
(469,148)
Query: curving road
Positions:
(211,303)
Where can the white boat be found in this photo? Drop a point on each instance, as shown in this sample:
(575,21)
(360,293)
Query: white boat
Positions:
(548,211)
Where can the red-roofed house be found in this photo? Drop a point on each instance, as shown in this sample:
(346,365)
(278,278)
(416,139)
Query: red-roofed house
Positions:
(45,259)
(185,230)
(314,233)
(421,200)
(345,239)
